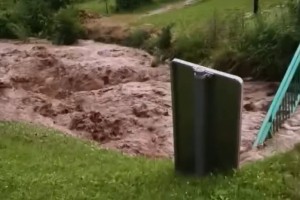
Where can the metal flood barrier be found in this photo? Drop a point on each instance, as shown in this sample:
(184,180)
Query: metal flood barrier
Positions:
(206,118)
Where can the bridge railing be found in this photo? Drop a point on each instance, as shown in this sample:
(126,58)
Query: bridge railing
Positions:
(284,103)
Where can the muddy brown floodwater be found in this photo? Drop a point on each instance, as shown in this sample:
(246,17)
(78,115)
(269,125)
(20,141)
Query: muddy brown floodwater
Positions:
(106,93)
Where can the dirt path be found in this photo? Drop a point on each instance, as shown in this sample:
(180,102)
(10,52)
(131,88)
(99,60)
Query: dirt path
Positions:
(106,93)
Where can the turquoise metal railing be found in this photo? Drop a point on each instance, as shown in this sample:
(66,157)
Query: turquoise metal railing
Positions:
(284,103)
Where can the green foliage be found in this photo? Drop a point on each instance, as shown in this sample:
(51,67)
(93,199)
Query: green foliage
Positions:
(294,10)
(41,18)
(165,38)
(66,27)
(198,45)
(34,14)
(150,45)
(157,44)
(18,31)
(57,4)
(137,38)
(5,31)
(5,4)
(10,29)
(260,46)
(127,5)
(193,48)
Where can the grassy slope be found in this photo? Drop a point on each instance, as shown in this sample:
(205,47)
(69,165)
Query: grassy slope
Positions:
(36,163)
(99,6)
(185,18)
(194,16)
(94,6)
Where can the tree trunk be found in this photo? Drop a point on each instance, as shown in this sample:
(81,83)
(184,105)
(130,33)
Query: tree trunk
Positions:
(255,7)
(106,6)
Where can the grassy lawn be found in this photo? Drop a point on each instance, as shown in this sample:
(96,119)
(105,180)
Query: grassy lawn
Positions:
(186,19)
(99,6)
(96,6)
(194,16)
(38,163)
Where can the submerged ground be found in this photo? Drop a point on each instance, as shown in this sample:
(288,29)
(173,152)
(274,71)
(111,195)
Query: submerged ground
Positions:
(106,93)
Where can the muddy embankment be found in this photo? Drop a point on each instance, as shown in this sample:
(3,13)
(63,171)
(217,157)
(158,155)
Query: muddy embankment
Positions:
(106,93)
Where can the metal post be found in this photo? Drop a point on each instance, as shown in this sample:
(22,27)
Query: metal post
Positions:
(206,108)
(200,120)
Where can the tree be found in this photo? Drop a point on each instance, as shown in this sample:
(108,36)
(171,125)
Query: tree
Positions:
(106,6)
(57,4)
(255,6)
(126,5)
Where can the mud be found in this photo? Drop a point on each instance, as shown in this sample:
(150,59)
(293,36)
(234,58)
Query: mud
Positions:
(106,93)
(284,140)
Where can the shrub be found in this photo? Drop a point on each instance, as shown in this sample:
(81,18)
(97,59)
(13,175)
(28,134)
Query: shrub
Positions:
(41,18)
(165,38)
(127,5)
(193,48)
(35,14)
(260,47)
(137,38)
(198,45)
(5,31)
(150,45)
(10,29)
(66,27)
(57,4)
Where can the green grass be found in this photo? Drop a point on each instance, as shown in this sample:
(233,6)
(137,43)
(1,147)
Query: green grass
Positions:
(95,6)
(98,6)
(189,18)
(37,163)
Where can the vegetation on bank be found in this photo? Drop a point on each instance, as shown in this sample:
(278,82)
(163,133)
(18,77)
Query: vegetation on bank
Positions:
(50,19)
(58,20)
(39,163)
(227,37)
(192,16)
(259,46)
(105,7)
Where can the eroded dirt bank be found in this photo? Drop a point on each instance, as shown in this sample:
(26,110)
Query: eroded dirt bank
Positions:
(106,93)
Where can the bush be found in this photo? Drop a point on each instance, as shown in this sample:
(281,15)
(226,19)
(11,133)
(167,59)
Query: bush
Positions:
(165,38)
(57,4)
(5,31)
(261,47)
(9,29)
(41,18)
(193,48)
(150,45)
(128,5)
(34,14)
(137,38)
(66,27)
(199,44)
